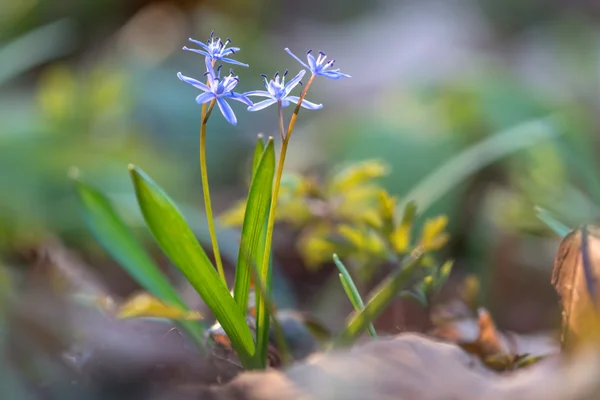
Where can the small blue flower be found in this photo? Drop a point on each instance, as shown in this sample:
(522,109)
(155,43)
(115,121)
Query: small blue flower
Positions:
(219,89)
(278,90)
(318,66)
(216,50)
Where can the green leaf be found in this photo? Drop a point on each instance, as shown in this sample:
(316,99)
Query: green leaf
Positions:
(115,236)
(382,296)
(177,240)
(257,208)
(351,290)
(258,153)
(443,274)
(558,227)
(453,172)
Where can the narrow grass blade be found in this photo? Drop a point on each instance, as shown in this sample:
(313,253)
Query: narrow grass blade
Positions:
(351,290)
(257,208)
(177,240)
(382,296)
(115,236)
(558,227)
(476,157)
(263,320)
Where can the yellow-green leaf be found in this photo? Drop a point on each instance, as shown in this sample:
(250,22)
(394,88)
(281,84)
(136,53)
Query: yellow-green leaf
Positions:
(177,240)
(146,305)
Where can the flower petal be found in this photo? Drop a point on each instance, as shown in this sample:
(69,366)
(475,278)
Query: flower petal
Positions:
(335,75)
(239,97)
(211,70)
(193,82)
(262,104)
(205,97)
(205,54)
(227,111)
(294,82)
(260,93)
(232,61)
(305,103)
(297,59)
(199,43)
(312,63)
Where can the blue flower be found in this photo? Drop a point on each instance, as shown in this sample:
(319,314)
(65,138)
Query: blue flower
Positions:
(318,66)
(278,90)
(219,89)
(216,50)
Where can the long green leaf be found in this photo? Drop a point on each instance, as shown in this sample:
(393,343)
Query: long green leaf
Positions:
(476,157)
(382,296)
(115,236)
(558,227)
(177,240)
(257,208)
(351,290)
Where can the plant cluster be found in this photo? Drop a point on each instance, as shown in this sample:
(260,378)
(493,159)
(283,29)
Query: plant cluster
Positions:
(363,225)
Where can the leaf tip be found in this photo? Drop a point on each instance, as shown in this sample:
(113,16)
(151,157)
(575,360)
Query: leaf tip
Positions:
(131,167)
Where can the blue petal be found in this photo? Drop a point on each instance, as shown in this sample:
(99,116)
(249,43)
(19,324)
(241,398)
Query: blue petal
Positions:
(227,111)
(205,97)
(292,83)
(193,82)
(297,59)
(312,63)
(260,93)
(334,75)
(210,69)
(232,61)
(262,104)
(205,54)
(305,103)
(199,43)
(231,50)
(239,97)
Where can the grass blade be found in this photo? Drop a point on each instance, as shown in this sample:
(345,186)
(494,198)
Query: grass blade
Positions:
(257,207)
(476,157)
(115,236)
(382,296)
(351,290)
(177,240)
(558,227)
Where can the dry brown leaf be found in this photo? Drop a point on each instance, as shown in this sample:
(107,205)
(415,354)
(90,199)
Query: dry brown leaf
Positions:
(574,276)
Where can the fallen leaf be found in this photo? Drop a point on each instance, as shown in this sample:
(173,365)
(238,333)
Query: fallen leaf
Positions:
(145,305)
(574,277)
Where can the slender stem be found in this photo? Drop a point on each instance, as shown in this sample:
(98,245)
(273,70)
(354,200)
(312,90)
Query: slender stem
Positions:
(206,190)
(297,109)
(280,110)
(264,271)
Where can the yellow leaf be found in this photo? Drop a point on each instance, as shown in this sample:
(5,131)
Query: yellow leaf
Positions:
(400,238)
(294,211)
(357,174)
(433,236)
(315,247)
(362,239)
(235,215)
(145,305)
(387,205)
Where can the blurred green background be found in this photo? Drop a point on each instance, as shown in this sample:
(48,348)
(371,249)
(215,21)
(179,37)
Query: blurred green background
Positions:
(92,85)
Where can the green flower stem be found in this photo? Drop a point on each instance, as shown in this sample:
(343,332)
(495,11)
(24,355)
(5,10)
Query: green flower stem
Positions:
(206,190)
(262,324)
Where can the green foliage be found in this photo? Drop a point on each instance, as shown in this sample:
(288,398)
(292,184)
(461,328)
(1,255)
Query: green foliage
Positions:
(380,298)
(351,290)
(114,235)
(178,242)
